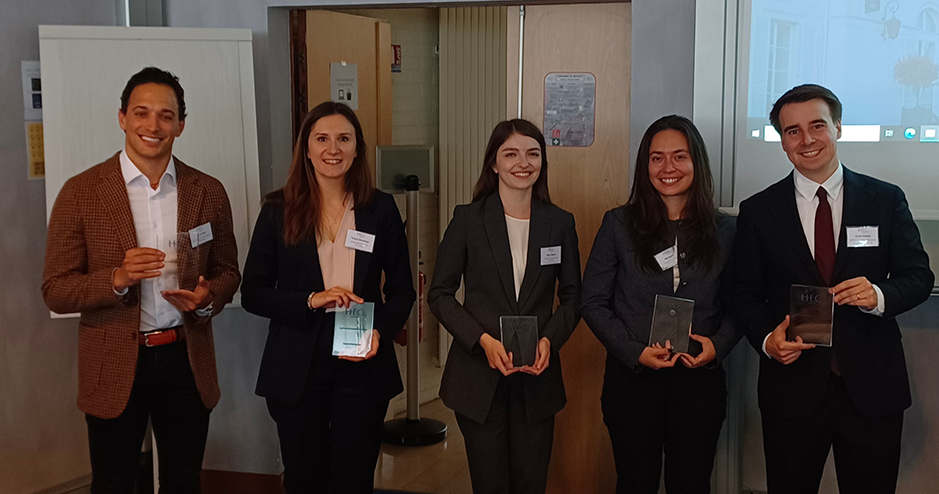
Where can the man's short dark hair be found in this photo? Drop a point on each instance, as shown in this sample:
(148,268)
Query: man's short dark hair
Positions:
(157,76)
(801,94)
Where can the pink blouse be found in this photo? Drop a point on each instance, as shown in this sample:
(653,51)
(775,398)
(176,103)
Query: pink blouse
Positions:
(337,262)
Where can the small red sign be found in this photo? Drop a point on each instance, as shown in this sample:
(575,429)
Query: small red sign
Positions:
(396,58)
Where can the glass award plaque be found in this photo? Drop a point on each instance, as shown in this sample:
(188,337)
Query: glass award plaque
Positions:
(352,331)
(811,310)
(519,335)
(671,321)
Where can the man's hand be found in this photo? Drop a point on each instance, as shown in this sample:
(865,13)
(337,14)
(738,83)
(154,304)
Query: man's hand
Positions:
(371,353)
(542,357)
(857,292)
(658,357)
(707,353)
(186,300)
(139,264)
(784,351)
(495,353)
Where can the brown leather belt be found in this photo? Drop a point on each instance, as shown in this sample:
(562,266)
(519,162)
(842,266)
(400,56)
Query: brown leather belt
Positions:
(161,337)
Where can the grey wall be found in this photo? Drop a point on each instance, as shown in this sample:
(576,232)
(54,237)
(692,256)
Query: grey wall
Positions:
(662,63)
(42,433)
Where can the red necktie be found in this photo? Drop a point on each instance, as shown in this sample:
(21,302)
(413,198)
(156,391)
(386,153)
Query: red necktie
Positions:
(824,237)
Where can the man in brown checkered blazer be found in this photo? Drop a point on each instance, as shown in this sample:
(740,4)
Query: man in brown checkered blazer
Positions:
(143,247)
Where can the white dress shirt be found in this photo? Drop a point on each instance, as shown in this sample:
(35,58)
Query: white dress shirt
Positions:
(155,217)
(807,204)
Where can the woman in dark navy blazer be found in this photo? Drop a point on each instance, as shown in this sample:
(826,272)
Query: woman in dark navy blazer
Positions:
(329,410)
(653,398)
(511,247)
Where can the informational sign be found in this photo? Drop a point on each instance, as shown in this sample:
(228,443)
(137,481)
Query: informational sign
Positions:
(344,84)
(32,90)
(569,109)
(34,150)
(396,58)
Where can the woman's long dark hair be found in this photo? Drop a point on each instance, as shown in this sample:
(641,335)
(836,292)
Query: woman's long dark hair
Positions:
(489,180)
(302,212)
(647,215)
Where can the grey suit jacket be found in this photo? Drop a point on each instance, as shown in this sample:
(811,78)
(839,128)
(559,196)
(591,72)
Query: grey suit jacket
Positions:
(619,296)
(476,249)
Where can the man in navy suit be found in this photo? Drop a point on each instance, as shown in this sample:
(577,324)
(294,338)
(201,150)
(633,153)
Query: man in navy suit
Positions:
(827,226)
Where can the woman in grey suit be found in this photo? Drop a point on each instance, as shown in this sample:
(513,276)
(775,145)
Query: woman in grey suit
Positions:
(511,247)
(667,240)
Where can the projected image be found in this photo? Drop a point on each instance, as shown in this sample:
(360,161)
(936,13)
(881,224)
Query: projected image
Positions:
(880,57)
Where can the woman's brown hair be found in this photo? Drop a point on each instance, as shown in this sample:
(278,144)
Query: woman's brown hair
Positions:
(302,212)
(647,216)
(489,180)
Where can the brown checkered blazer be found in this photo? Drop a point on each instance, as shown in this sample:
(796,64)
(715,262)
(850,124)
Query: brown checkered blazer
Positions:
(90,229)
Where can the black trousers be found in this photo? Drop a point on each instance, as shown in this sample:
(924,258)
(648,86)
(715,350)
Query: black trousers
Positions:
(330,439)
(165,392)
(508,454)
(867,450)
(679,410)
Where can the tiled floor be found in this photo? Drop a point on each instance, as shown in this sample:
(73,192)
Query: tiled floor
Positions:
(437,469)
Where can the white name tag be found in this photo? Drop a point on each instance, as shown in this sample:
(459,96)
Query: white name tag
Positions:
(668,258)
(863,236)
(360,240)
(550,255)
(200,235)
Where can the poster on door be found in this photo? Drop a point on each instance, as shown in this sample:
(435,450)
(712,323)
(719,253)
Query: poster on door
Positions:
(344,84)
(569,108)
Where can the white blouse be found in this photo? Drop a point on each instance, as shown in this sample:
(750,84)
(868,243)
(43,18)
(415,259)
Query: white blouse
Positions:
(518,243)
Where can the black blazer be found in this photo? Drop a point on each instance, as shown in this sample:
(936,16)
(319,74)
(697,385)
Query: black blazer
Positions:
(278,279)
(476,249)
(619,296)
(772,254)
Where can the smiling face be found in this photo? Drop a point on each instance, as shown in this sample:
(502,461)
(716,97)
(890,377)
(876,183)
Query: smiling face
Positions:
(671,169)
(151,123)
(331,147)
(518,162)
(810,138)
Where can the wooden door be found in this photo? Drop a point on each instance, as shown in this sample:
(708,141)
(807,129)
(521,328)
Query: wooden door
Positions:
(322,37)
(587,181)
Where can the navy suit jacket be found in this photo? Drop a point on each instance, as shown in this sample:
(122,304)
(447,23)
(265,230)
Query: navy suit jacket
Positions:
(278,279)
(476,249)
(772,254)
(619,296)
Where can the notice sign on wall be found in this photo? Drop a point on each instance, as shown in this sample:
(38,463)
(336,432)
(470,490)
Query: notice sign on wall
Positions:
(344,84)
(569,108)
(34,150)
(32,90)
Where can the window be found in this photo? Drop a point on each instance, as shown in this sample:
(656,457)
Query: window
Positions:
(780,54)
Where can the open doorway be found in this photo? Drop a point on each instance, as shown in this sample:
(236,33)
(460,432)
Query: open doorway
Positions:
(454,73)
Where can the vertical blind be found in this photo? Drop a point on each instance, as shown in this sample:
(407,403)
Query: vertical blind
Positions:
(472,97)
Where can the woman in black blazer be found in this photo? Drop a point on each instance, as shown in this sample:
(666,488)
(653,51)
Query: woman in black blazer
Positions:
(667,240)
(511,247)
(329,410)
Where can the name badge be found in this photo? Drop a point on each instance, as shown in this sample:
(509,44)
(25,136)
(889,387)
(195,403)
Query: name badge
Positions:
(360,240)
(863,236)
(550,255)
(668,258)
(200,235)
